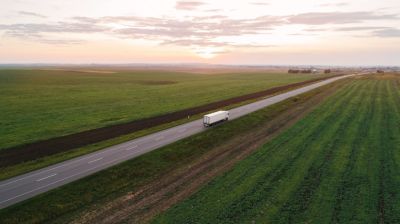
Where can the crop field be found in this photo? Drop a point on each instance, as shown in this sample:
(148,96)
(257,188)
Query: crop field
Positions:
(39,104)
(182,164)
(339,164)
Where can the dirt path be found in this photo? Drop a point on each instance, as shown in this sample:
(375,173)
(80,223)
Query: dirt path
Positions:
(36,150)
(142,205)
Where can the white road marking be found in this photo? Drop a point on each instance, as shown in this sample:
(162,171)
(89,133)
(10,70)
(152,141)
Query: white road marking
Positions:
(95,160)
(130,148)
(1,202)
(44,178)
(68,163)
(2,185)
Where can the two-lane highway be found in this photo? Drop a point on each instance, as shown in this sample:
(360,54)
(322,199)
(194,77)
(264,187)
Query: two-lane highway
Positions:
(28,185)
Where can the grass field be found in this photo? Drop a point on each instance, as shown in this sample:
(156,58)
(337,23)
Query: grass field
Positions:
(62,204)
(340,164)
(38,104)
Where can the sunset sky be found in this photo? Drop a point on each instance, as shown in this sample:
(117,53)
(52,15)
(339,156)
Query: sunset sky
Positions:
(270,32)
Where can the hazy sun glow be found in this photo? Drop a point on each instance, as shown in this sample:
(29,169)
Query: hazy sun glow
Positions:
(207,52)
(356,32)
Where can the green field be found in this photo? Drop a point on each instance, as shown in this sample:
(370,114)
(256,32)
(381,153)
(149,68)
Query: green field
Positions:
(62,204)
(340,164)
(38,104)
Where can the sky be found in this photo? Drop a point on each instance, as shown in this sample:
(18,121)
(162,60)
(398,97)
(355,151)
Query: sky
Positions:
(252,32)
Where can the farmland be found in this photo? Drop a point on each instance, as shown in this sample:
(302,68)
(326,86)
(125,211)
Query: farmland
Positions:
(42,104)
(339,164)
(178,169)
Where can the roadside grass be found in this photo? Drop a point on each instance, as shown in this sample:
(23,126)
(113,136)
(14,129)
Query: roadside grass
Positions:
(38,104)
(61,204)
(21,168)
(339,164)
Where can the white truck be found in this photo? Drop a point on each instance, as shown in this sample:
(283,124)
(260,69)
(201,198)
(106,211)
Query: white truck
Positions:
(216,117)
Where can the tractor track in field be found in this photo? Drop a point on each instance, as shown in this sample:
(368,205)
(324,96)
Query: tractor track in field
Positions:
(31,151)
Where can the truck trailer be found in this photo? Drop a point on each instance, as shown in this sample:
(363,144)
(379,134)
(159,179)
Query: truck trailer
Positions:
(216,117)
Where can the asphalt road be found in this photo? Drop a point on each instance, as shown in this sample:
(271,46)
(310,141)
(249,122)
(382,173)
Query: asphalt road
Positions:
(28,185)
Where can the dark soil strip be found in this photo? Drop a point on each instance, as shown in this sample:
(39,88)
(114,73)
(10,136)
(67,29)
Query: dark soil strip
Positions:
(36,150)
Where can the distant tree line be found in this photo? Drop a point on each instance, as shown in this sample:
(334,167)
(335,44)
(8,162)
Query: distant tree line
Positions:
(299,71)
(306,71)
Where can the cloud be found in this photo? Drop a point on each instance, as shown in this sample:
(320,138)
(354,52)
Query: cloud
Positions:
(189,31)
(194,42)
(389,32)
(60,41)
(339,4)
(60,27)
(211,43)
(211,30)
(38,32)
(360,28)
(25,13)
(350,29)
(192,27)
(213,10)
(39,38)
(188,5)
(260,3)
(321,18)
(315,30)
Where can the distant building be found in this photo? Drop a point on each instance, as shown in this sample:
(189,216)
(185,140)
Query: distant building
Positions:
(380,71)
